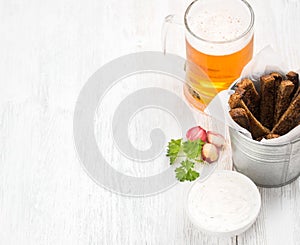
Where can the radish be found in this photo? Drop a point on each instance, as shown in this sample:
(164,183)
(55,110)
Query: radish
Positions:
(210,153)
(216,139)
(196,133)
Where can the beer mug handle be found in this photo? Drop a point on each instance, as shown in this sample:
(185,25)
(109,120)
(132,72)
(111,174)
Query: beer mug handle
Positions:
(169,20)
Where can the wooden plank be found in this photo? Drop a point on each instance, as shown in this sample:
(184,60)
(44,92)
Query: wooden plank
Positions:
(48,50)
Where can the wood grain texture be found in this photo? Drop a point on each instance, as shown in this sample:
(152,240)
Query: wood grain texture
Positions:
(48,49)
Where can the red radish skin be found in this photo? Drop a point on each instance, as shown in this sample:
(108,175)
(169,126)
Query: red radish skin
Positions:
(215,139)
(196,133)
(210,153)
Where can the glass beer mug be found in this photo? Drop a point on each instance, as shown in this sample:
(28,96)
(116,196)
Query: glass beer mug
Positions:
(219,43)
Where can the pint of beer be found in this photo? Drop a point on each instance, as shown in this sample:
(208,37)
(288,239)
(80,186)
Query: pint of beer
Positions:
(219,43)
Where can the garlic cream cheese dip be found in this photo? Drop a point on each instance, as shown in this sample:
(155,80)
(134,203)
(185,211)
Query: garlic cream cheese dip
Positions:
(227,203)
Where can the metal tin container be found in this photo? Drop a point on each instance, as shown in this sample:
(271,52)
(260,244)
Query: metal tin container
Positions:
(268,165)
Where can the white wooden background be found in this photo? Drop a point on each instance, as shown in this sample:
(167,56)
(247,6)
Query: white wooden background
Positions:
(48,49)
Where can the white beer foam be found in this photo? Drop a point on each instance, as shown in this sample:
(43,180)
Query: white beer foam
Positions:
(217,21)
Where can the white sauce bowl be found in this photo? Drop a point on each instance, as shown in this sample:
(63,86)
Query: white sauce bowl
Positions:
(226,204)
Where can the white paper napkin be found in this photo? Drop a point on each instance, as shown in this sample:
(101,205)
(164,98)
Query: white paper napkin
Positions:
(266,61)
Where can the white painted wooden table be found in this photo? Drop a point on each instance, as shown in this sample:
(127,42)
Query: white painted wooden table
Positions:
(48,50)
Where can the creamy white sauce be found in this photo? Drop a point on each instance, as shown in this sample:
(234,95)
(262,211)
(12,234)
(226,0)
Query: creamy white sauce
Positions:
(225,202)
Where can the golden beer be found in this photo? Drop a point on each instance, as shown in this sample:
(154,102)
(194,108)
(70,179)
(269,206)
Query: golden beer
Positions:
(219,43)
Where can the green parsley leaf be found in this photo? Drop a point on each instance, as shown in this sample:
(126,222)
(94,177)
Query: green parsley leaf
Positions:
(191,175)
(192,149)
(174,147)
(186,172)
(180,174)
(187,164)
